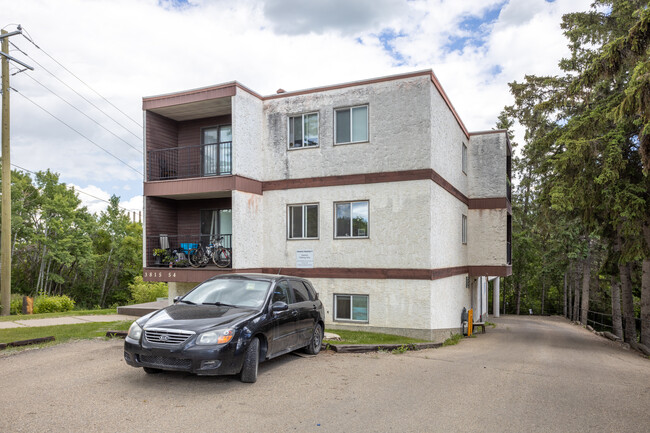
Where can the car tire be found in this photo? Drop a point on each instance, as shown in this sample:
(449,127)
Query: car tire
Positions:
(316,341)
(251,362)
(150,370)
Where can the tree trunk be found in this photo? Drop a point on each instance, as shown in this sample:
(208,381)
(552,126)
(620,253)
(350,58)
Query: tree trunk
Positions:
(617,324)
(586,279)
(645,291)
(543,295)
(108,266)
(518,297)
(628,303)
(564,311)
(576,295)
(46,283)
(41,271)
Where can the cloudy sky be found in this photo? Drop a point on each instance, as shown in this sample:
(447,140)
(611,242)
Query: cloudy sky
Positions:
(127,49)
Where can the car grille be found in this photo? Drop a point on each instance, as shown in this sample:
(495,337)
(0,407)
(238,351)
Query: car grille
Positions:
(167,336)
(163,361)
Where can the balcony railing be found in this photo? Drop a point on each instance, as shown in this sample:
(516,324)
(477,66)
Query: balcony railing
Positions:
(176,248)
(190,161)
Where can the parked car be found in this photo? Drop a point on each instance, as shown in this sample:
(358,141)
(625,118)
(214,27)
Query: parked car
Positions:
(227,325)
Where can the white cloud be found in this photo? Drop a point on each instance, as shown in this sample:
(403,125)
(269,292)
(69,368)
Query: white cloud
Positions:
(127,49)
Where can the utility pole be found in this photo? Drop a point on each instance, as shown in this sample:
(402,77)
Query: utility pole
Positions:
(5,239)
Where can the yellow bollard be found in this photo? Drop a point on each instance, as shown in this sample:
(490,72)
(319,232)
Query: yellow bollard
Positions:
(470,322)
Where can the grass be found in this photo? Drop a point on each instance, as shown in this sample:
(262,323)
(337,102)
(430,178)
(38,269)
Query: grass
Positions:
(361,337)
(453,340)
(493,325)
(61,333)
(64,314)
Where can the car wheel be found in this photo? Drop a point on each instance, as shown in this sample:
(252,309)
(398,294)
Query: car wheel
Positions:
(150,370)
(316,340)
(251,362)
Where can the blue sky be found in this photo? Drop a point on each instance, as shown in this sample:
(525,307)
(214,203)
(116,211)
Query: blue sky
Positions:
(127,49)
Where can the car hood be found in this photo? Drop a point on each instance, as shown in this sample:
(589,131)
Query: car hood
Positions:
(198,318)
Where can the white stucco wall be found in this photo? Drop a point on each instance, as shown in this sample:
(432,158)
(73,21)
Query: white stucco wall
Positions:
(447,138)
(448,297)
(247,230)
(247,146)
(487,165)
(399,124)
(447,249)
(399,226)
(487,237)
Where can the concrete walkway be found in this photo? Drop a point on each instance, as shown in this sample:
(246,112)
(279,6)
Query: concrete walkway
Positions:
(67,320)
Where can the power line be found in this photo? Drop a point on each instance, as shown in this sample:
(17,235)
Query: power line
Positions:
(29,38)
(42,108)
(76,190)
(78,94)
(93,120)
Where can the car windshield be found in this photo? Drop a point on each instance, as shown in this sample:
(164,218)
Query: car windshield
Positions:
(229,292)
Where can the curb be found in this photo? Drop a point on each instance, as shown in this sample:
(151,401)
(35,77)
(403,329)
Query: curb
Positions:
(363,348)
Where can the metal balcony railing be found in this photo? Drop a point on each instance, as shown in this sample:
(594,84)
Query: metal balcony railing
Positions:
(174,249)
(189,161)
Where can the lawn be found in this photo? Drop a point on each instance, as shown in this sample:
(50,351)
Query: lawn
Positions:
(361,337)
(61,333)
(64,314)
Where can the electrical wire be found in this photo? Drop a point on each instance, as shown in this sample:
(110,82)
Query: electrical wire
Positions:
(29,38)
(44,109)
(93,120)
(78,94)
(77,190)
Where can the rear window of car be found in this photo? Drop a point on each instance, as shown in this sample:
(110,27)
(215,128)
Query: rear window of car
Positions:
(300,292)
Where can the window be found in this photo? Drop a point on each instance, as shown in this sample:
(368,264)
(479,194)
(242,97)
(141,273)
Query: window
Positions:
(281,293)
(351,125)
(351,307)
(303,221)
(303,131)
(464,229)
(215,150)
(351,219)
(300,292)
(464,157)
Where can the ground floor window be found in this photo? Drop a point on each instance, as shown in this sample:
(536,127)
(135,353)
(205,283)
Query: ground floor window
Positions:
(303,221)
(351,307)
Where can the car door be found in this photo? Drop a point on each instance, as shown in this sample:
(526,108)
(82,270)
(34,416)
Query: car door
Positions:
(283,322)
(305,308)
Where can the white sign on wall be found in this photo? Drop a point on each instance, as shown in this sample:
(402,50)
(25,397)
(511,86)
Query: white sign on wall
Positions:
(305,259)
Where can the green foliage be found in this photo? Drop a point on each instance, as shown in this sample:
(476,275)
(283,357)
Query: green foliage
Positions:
(143,291)
(52,304)
(361,337)
(453,340)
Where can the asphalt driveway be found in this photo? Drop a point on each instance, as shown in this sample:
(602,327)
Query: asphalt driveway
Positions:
(528,374)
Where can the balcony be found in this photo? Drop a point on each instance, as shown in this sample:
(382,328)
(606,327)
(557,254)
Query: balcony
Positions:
(177,249)
(189,161)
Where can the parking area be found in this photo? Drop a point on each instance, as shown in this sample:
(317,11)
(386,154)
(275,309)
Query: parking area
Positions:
(528,374)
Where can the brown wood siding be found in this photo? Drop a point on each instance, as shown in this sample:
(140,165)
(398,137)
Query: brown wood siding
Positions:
(189,213)
(162,133)
(189,131)
(202,185)
(196,95)
(162,216)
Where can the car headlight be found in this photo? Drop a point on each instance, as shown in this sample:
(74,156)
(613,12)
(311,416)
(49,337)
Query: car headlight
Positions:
(220,336)
(135,331)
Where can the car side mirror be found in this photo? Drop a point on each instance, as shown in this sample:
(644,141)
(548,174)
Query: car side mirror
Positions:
(176,298)
(279,306)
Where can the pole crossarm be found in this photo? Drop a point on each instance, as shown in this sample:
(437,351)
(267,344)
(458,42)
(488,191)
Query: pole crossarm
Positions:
(13,59)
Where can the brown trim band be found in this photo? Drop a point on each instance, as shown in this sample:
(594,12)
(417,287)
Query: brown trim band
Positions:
(360,179)
(490,203)
(186,275)
(202,185)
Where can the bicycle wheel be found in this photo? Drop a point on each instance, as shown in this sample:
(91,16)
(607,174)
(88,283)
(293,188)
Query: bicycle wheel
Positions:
(221,257)
(196,257)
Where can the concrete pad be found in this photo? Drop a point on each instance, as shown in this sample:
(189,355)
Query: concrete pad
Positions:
(106,318)
(50,322)
(8,325)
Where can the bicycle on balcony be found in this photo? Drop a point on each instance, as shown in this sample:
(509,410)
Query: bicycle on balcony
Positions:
(214,252)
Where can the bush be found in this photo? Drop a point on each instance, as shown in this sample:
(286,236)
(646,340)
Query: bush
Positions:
(52,304)
(144,291)
(16,305)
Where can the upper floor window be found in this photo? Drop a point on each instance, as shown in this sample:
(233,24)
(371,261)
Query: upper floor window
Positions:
(303,131)
(464,230)
(351,219)
(464,157)
(351,125)
(303,221)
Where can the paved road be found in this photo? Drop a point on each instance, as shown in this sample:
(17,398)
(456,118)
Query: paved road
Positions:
(528,374)
(66,320)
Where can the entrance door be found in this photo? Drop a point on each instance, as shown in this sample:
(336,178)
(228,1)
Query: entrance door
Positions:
(216,150)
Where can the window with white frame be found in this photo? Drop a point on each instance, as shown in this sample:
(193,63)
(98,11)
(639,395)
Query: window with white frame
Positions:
(464,229)
(464,157)
(351,125)
(351,219)
(302,221)
(303,131)
(351,308)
